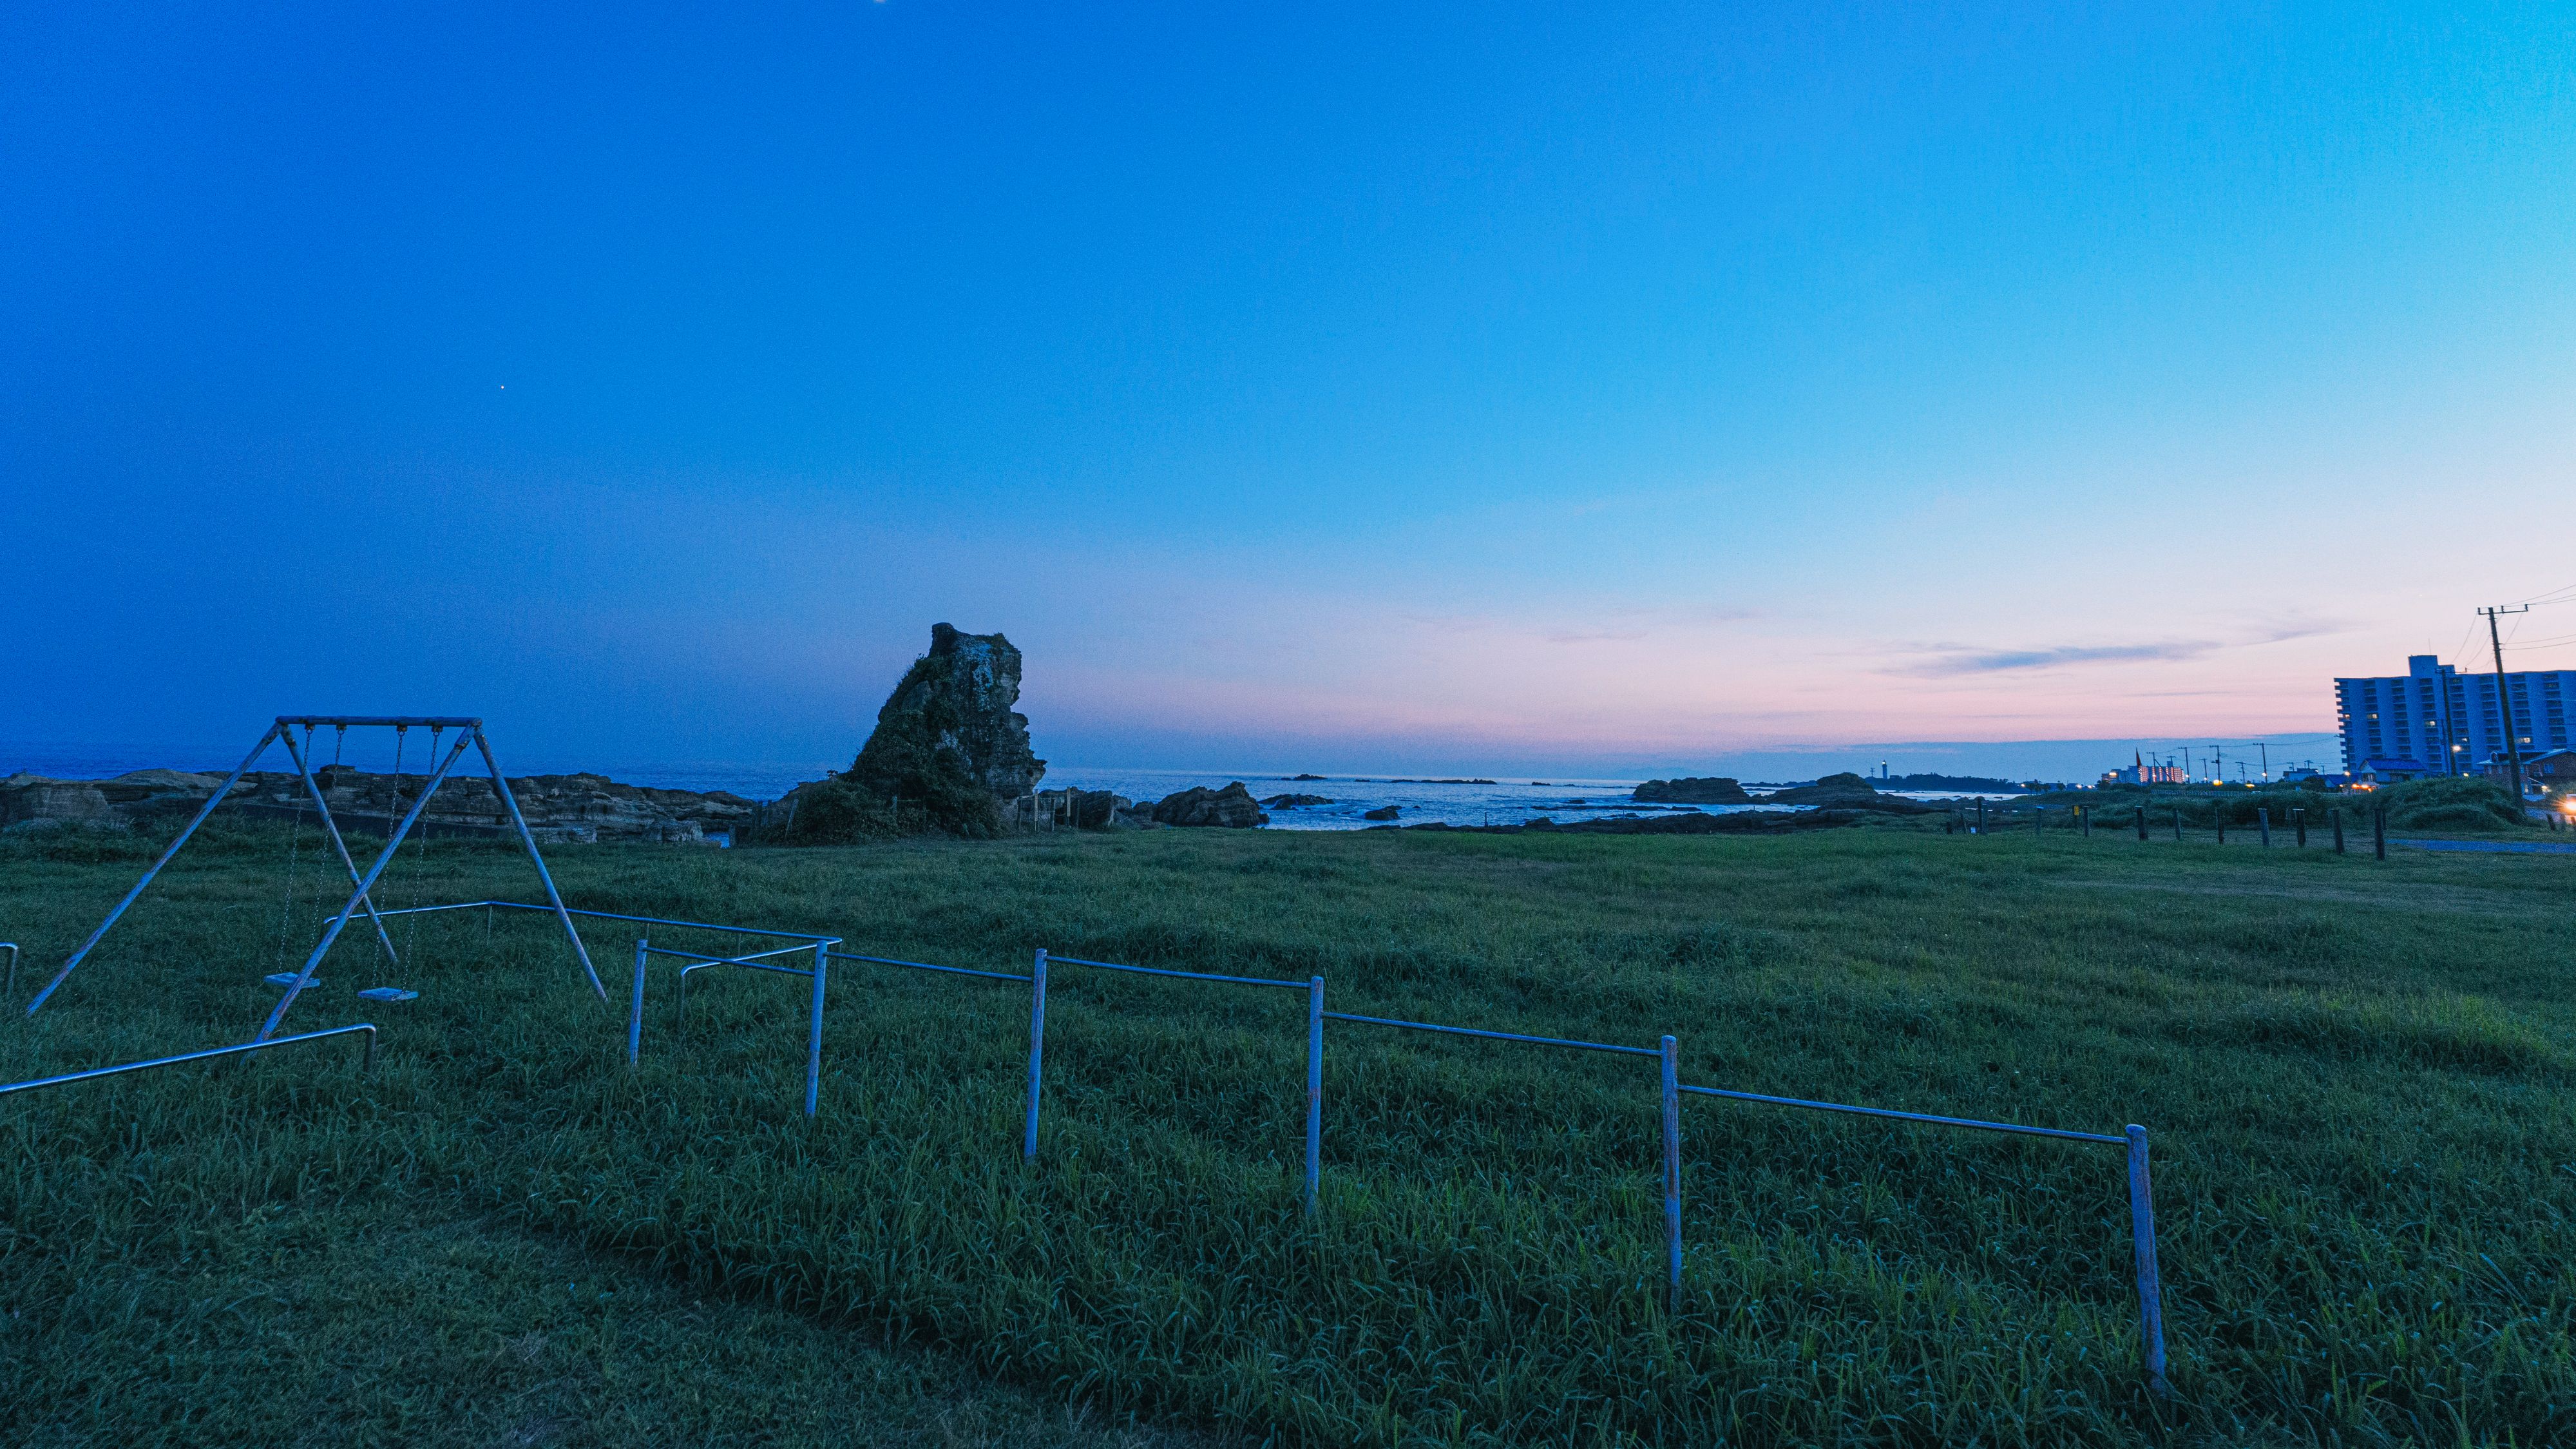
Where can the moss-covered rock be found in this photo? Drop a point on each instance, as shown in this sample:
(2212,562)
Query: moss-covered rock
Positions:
(946,750)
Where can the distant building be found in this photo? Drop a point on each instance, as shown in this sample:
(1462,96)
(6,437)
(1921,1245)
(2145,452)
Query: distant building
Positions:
(2549,770)
(2447,722)
(2389,772)
(2143,773)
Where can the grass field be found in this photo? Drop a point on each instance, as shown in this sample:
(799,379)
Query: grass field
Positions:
(2358,1075)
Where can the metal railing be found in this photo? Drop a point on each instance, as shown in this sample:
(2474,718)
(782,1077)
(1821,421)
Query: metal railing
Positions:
(1672,1090)
(365,1063)
(1313,986)
(819,973)
(1666,1054)
(2142,1207)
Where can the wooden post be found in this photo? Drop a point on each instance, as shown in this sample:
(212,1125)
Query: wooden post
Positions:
(2263,820)
(2335,815)
(2379,829)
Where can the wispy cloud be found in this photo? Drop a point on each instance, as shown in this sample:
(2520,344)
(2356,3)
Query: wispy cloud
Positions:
(1945,660)
(1949,659)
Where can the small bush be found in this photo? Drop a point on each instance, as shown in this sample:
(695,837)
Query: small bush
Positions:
(2451,802)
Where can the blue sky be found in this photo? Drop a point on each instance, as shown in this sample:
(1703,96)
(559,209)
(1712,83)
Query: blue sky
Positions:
(1423,388)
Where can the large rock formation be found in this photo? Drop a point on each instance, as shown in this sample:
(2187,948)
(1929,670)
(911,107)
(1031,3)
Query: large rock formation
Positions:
(1232,806)
(1847,791)
(558,808)
(947,746)
(1692,790)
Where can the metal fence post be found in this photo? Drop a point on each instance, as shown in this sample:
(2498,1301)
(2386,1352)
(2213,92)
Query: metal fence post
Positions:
(1314,1086)
(1672,1177)
(2142,1234)
(635,1008)
(814,1034)
(1037,1054)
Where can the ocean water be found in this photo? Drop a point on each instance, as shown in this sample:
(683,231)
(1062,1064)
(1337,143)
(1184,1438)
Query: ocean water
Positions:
(1417,801)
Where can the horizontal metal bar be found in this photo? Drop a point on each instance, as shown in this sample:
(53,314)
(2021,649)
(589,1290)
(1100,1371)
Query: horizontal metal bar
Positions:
(444,721)
(1590,1046)
(806,936)
(1925,1117)
(926,966)
(461,906)
(725,960)
(746,965)
(1186,975)
(249,1046)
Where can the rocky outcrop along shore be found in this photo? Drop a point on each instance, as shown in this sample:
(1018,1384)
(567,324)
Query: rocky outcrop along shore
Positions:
(1692,790)
(560,809)
(1232,807)
(1848,791)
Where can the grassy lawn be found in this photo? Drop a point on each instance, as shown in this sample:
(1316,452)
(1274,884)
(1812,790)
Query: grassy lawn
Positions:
(2358,1076)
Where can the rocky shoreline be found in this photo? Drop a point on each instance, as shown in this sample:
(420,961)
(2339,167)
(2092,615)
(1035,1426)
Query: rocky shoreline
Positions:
(559,809)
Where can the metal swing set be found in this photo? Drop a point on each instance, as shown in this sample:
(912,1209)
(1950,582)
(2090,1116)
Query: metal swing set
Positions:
(469,731)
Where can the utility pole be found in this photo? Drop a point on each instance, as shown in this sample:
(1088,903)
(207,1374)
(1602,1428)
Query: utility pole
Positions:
(2267,760)
(2504,700)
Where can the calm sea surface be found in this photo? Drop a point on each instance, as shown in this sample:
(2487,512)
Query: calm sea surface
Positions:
(1417,801)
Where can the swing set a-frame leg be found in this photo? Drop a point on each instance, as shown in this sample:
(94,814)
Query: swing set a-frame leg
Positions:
(331,828)
(501,787)
(222,790)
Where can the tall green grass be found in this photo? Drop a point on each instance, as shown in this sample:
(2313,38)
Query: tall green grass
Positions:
(2358,1075)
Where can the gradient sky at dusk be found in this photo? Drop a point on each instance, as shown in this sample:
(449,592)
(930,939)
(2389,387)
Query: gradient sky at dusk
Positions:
(1310,386)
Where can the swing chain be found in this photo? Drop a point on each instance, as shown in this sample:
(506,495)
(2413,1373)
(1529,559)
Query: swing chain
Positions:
(294,861)
(411,923)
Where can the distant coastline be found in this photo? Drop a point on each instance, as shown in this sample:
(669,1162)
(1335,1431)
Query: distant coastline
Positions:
(1461,800)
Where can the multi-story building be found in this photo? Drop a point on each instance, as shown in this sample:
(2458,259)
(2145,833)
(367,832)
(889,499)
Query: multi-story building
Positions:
(2450,723)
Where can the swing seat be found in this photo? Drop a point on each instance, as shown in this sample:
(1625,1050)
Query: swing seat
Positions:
(388,993)
(287,978)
